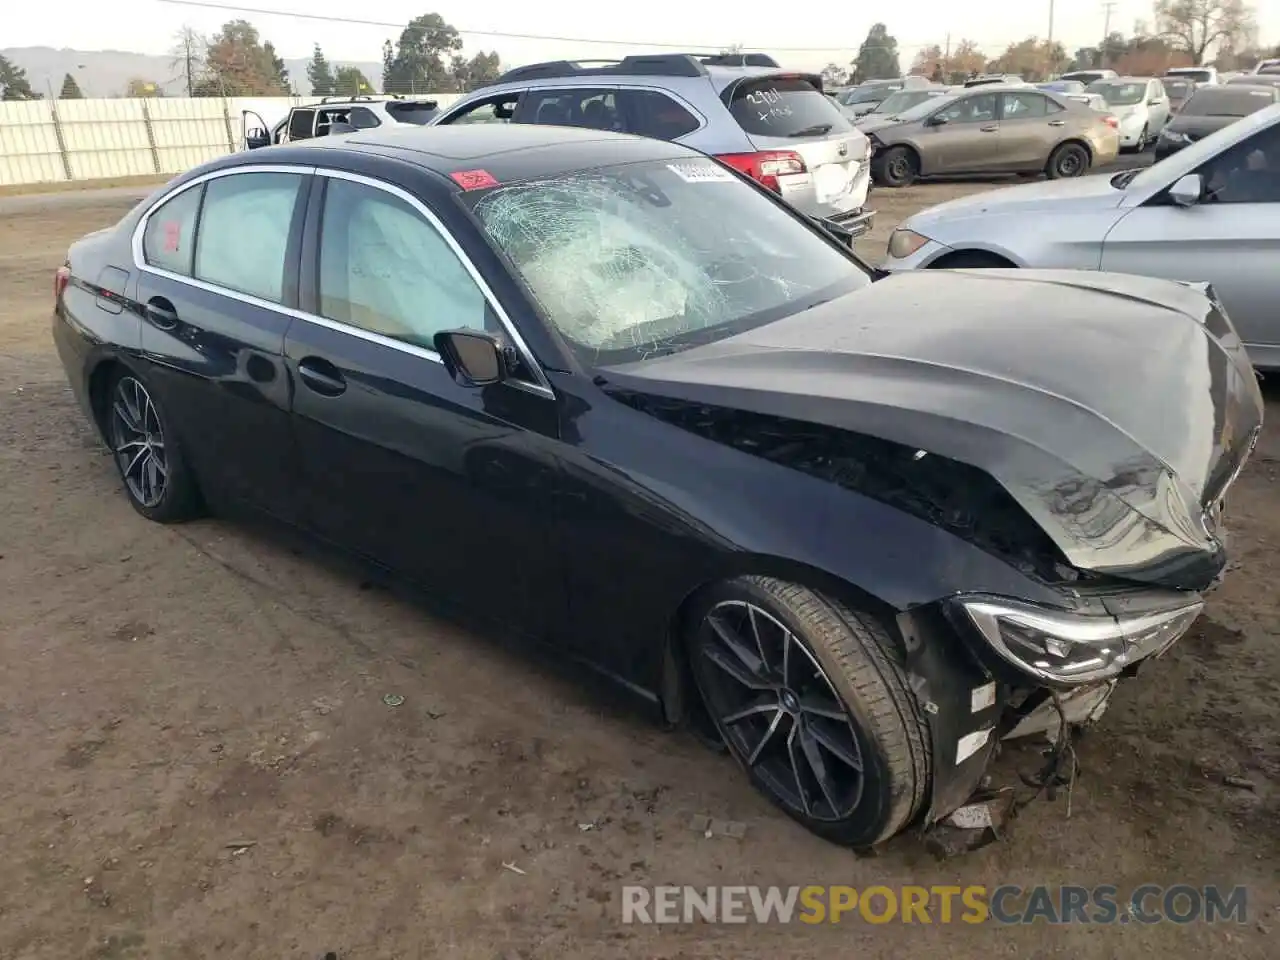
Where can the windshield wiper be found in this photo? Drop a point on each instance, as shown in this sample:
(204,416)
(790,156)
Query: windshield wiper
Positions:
(817,130)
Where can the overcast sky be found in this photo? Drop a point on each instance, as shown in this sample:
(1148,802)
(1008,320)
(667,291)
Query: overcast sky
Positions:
(796,35)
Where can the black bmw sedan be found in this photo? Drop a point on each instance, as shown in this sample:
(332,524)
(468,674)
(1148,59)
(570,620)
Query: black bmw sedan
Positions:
(613,397)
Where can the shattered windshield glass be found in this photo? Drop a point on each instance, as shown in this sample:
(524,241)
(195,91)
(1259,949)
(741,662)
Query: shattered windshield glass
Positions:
(643,259)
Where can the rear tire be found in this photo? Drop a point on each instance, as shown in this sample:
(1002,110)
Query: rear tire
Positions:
(147,453)
(812,700)
(1069,160)
(898,167)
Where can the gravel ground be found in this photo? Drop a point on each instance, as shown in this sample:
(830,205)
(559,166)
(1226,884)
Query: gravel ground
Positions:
(169,693)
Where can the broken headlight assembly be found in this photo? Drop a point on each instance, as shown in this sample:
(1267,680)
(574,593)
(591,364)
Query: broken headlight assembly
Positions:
(1064,648)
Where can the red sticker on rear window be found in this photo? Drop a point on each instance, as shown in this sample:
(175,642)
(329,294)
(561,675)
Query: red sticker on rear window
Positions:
(474,179)
(172,235)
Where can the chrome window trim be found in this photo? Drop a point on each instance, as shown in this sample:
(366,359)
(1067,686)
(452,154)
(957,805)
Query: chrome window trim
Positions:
(541,387)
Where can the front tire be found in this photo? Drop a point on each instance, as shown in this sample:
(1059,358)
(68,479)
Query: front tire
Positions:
(898,167)
(812,700)
(147,454)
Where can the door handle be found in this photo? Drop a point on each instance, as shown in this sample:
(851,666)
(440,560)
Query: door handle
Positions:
(161,313)
(1057,123)
(321,376)
(991,129)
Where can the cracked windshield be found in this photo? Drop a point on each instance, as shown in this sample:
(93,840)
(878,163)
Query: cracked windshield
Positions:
(644,259)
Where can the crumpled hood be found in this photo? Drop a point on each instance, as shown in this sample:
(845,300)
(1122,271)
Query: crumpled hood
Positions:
(1198,127)
(1114,409)
(1027,199)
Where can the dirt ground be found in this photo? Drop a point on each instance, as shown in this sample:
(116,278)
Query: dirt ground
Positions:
(169,693)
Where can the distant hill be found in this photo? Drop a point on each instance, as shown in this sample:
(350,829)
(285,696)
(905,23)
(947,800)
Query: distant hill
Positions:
(106,73)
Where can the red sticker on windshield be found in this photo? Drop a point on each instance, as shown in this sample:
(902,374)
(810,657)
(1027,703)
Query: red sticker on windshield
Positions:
(474,179)
(172,235)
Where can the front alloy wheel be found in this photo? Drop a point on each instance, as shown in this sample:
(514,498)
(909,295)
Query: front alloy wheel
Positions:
(809,698)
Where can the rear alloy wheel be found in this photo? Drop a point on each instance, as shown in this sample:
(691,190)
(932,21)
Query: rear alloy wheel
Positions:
(1069,160)
(810,697)
(898,167)
(146,454)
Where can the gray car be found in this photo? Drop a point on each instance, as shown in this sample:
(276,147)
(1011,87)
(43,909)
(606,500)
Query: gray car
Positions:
(1210,212)
(772,125)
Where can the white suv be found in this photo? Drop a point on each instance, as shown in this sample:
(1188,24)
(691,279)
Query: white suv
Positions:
(337,115)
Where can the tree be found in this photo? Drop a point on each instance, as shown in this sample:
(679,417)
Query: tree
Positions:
(279,71)
(417,63)
(239,64)
(467,74)
(1031,59)
(70,89)
(350,82)
(964,60)
(878,56)
(188,58)
(1193,26)
(13,82)
(143,88)
(319,74)
(834,75)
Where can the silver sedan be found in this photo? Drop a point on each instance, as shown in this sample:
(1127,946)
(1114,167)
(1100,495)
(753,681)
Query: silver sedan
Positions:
(1210,212)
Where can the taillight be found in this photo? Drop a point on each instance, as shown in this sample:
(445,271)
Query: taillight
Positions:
(766,166)
(61,277)
(1111,122)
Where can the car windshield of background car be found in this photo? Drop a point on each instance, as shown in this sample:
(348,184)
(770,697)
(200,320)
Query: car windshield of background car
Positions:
(1227,102)
(1119,94)
(644,259)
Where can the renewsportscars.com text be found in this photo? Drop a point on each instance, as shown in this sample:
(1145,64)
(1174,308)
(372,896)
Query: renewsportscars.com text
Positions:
(1004,904)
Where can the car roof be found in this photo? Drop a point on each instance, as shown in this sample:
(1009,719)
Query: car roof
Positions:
(505,151)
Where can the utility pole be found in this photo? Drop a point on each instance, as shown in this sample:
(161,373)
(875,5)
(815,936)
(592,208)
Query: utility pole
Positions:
(1049,40)
(1108,6)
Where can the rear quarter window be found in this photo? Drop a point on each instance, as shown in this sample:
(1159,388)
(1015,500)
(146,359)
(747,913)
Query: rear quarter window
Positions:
(785,107)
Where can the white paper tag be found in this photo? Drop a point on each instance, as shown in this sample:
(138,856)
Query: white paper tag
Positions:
(701,172)
(976,816)
(970,744)
(982,697)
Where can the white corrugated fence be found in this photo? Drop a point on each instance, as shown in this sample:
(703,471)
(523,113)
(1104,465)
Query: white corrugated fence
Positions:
(53,141)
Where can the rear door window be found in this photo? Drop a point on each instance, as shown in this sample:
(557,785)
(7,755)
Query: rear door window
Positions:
(653,114)
(596,108)
(1025,106)
(785,107)
(244,232)
(362,118)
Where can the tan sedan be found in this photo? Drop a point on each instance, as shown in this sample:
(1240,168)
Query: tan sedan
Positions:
(992,131)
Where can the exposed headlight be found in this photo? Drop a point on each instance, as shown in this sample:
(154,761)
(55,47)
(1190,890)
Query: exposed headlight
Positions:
(903,243)
(1064,648)
(1173,136)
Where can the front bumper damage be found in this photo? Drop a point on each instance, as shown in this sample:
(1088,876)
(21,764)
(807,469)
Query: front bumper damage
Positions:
(975,699)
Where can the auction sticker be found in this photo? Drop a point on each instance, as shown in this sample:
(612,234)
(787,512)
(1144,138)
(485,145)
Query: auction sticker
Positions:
(706,172)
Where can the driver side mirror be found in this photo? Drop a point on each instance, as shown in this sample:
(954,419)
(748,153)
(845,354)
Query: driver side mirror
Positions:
(936,120)
(1187,191)
(472,357)
(256,137)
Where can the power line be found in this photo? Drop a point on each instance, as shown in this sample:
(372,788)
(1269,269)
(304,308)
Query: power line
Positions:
(504,35)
